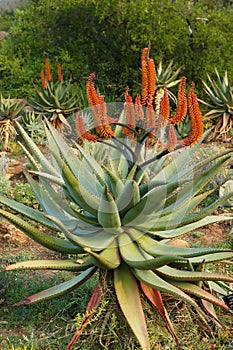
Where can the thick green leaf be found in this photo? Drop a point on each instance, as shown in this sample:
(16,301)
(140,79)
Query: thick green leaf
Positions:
(207,210)
(113,182)
(77,166)
(54,179)
(176,232)
(108,259)
(136,257)
(59,289)
(96,241)
(155,248)
(192,288)
(36,152)
(154,296)
(34,163)
(152,280)
(78,192)
(108,214)
(185,275)
(208,258)
(129,299)
(28,211)
(70,265)
(92,164)
(53,243)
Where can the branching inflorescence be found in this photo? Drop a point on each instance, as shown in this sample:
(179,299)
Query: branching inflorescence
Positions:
(142,115)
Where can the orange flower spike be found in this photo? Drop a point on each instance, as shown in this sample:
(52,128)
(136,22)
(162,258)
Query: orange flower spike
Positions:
(150,120)
(93,98)
(81,130)
(43,82)
(145,81)
(103,110)
(172,138)
(103,129)
(151,80)
(59,72)
(99,109)
(129,113)
(196,122)
(139,114)
(92,95)
(164,109)
(181,110)
(47,70)
(197,113)
(130,117)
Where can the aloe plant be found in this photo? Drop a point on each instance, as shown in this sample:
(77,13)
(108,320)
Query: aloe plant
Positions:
(33,124)
(220,94)
(120,206)
(9,111)
(55,99)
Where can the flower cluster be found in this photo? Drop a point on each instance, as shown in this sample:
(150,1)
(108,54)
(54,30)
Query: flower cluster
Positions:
(149,114)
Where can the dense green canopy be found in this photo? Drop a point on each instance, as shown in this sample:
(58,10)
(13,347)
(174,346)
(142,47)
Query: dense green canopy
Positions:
(107,37)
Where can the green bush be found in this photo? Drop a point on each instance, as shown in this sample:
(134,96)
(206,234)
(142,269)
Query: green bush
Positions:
(106,37)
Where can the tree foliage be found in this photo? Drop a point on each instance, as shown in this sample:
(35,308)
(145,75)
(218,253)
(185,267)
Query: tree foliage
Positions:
(106,37)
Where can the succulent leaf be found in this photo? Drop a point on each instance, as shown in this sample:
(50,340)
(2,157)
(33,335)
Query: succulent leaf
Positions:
(108,259)
(135,257)
(152,280)
(70,265)
(108,214)
(192,288)
(182,275)
(59,289)
(125,286)
(53,243)
(156,248)
(156,299)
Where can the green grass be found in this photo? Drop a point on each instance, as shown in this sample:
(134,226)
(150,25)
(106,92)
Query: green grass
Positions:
(50,325)
(46,325)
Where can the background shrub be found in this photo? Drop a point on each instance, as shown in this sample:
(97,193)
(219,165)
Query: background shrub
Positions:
(107,37)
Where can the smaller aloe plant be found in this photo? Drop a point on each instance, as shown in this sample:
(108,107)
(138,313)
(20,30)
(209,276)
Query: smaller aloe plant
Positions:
(9,111)
(34,126)
(120,206)
(220,94)
(55,100)
(167,77)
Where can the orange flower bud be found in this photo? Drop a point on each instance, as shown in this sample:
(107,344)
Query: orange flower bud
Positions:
(181,109)
(43,83)
(164,108)
(151,80)
(150,120)
(139,114)
(144,76)
(172,139)
(59,72)
(99,109)
(129,110)
(196,122)
(47,70)
(81,130)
